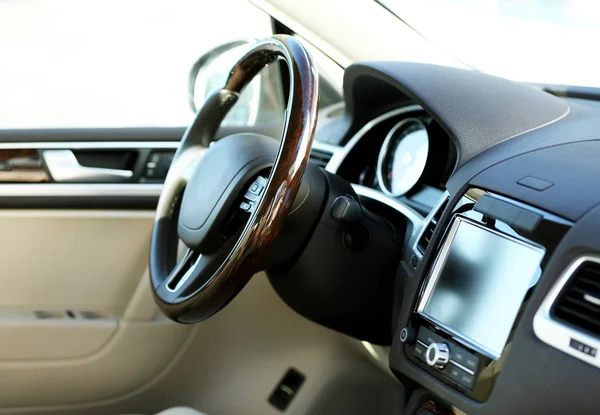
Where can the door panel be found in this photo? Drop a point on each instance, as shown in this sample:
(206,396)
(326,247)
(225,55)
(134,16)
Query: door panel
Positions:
(78,323)
(58,260)
(77,320)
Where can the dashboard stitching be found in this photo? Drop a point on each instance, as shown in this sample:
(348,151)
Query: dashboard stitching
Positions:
(539,126)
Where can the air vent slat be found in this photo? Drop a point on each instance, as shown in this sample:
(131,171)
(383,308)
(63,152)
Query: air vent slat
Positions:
(593,270)
(427,235)
(589,281)
(580,315)
(320,157)
(582,303)
(576,305)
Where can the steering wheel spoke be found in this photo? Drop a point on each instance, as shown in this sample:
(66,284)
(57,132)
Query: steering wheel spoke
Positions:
(181,271)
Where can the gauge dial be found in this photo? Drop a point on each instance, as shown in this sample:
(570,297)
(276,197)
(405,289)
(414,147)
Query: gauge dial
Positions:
(403,157)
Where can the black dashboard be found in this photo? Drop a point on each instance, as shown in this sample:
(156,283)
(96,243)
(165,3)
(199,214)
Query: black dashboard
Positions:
(497,293)
(405,154)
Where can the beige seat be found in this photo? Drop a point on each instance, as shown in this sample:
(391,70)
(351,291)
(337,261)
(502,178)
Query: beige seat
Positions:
(180,410)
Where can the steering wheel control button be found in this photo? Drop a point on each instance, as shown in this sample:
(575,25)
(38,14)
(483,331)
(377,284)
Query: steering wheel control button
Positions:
(408,335)
(253,197)
(255,189)
(245,206)
(438,355)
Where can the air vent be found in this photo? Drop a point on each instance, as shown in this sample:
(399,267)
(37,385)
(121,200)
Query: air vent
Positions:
(320,157)
(427,234)
(578,304)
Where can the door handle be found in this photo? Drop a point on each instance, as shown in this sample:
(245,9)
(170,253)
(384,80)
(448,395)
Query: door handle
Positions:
(64,167)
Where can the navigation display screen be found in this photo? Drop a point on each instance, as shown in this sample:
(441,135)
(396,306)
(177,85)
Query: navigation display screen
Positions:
(478,284)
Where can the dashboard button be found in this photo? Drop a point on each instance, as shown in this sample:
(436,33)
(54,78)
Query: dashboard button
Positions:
(472,362)
(407,335)
(467,380)
(420,351)
(459,376)
(453,372)
(458,355)
(428,337)
(535,183)
(462,357)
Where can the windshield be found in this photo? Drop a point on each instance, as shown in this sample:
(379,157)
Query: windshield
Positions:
(542,41)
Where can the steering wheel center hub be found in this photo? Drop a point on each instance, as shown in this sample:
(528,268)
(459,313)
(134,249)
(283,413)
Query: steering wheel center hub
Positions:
(220,180)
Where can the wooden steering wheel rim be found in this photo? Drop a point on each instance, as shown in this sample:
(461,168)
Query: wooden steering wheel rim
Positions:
(283,183)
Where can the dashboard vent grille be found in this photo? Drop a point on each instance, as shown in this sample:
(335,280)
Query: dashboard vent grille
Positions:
(425,238)
(578,304)
(320,157)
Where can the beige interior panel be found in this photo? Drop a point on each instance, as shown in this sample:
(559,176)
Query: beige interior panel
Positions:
(33,339)
(75,258)
(134,356)
(233,361)
(78,323)
(226,365)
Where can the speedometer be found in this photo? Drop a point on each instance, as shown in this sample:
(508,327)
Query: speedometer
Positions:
(403,157)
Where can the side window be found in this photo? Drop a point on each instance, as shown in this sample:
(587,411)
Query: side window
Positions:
(261,101)
(113,63)
(331,75)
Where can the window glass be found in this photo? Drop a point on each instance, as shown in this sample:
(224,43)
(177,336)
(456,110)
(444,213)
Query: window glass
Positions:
(541,41)
(110,63)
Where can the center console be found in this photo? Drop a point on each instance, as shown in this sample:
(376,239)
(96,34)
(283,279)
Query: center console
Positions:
(484,265)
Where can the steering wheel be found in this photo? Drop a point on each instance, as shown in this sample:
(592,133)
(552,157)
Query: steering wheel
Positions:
(226,200)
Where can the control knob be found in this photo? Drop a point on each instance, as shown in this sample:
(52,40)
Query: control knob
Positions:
(437,355)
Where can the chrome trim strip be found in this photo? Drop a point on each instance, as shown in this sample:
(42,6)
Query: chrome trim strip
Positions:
(440,260)
(422,343)
(92,145)
(385,148)
(591,299)
(80,190)
(435,273)
(179,267)
(464,368)
(559,335)
(413,216)
(85,190)
(63,166)
(338,157)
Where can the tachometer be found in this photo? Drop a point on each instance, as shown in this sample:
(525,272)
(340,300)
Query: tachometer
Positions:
(403,157)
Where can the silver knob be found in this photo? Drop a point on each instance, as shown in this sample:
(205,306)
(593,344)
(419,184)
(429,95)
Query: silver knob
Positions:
(437,355)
